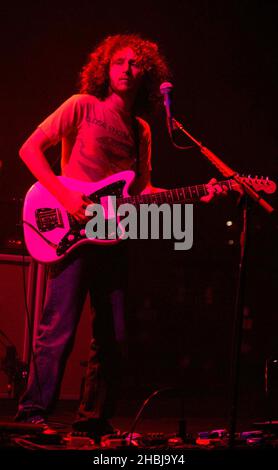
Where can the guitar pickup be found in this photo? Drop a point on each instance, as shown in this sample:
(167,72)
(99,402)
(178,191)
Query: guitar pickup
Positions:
(48,219)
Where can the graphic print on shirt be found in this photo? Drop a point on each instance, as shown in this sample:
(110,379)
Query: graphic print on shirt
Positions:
(117,145)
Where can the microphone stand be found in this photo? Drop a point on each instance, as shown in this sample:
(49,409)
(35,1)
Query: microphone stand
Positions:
(239,304)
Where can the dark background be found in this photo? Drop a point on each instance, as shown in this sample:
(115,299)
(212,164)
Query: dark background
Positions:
(224,60)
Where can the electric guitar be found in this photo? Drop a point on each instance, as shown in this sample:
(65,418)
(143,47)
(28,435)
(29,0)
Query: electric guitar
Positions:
(51,233)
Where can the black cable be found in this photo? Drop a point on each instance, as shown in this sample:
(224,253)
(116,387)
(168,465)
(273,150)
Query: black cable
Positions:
(143,406)
(31,355)
(53,245)
(179,147)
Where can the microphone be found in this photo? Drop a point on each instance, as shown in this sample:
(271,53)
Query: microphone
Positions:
(166,91)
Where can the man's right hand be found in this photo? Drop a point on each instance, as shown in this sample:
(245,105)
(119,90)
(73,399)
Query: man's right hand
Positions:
(75,203)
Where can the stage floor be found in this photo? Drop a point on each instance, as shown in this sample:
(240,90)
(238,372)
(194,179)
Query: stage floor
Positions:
(156,433)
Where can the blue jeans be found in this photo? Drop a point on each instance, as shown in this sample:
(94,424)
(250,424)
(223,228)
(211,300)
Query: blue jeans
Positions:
(103,272)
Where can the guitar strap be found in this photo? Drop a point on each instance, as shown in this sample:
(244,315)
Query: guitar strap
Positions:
(136,132)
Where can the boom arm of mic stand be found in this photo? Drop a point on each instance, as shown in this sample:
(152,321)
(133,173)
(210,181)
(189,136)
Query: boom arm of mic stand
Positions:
(226,170)
(238,320)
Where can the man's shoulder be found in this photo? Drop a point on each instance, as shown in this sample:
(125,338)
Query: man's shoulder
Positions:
(83,98)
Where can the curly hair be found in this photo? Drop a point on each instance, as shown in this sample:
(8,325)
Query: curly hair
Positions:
(94,77)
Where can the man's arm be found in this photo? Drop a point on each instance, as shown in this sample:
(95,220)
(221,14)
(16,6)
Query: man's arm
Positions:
(32,153)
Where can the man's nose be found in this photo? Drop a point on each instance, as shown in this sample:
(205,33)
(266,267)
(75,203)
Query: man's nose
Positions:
(127,67)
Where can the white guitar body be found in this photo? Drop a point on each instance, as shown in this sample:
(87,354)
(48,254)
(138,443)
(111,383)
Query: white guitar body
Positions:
(39,197)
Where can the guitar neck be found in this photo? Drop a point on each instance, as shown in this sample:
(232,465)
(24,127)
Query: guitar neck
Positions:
(186,194)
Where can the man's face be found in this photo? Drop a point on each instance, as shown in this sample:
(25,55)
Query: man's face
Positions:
(125,74)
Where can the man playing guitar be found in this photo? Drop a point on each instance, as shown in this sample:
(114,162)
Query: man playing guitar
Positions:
(102,133)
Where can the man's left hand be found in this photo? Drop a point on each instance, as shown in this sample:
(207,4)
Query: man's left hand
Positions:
(215,190)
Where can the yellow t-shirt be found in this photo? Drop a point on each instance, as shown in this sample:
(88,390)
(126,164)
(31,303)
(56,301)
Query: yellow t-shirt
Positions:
(97,140)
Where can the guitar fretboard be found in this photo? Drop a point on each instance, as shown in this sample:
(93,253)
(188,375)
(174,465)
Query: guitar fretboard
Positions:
(171,196)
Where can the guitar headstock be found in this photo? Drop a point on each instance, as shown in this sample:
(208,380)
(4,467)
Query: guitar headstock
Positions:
(259,184)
